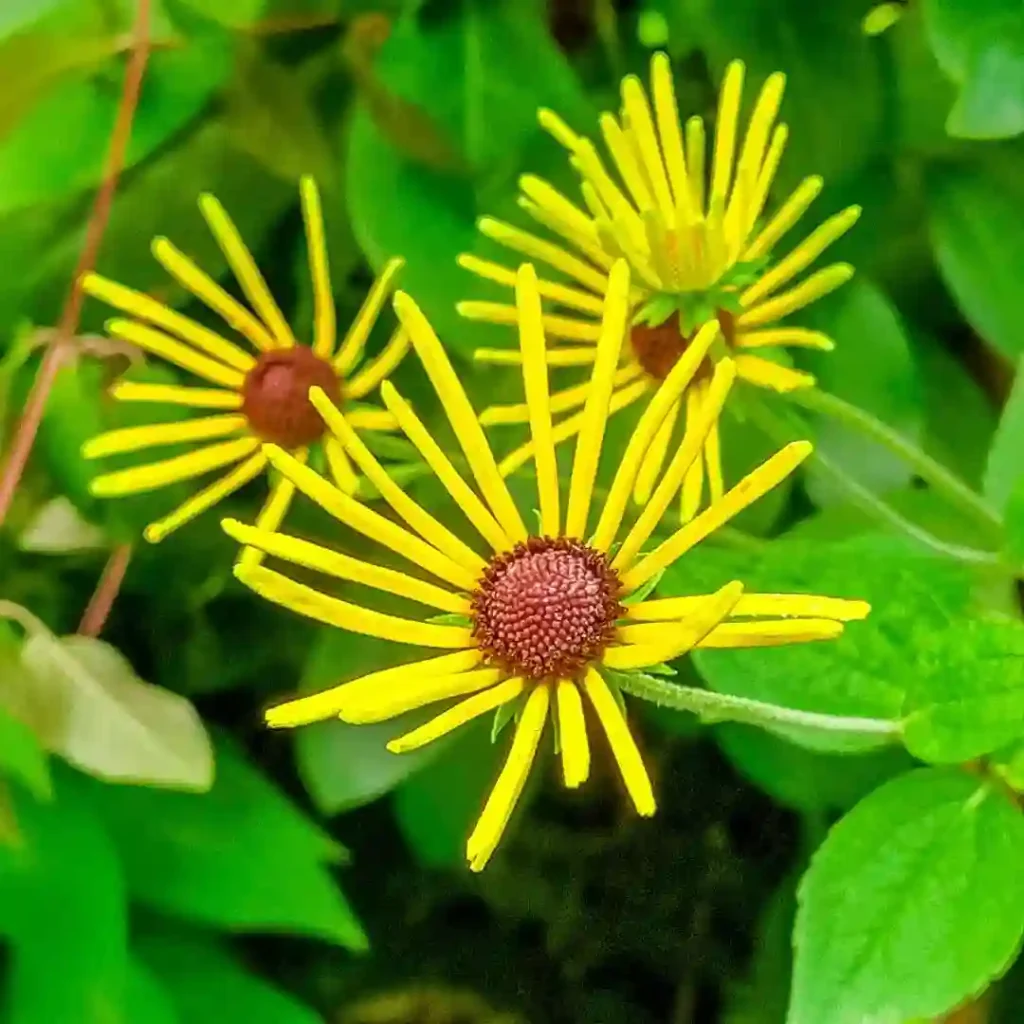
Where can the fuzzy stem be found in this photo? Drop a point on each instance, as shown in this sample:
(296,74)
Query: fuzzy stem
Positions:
(61,347)
(937,476)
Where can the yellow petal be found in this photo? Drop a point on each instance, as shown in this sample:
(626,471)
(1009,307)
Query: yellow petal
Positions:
(781,605)
(810,290)
(417,517)
(667,395)
(771,634)
(203,287)
(506,792)
(620,739)
(182,467)
(275,508)
(685,460)
(206,498)
(324,317)
(145,308)
(335,612)
(594,417)
(538,399)
(172,394)
(355,340)
(334,563)
(133,439)
(369,523)
(567,328)
(159,344)
(458,715)
(749,489)
(463,419)
(380,368)
(472,507)
(246,272)
(328,703)
(766,374)
(665,641)
(572,734)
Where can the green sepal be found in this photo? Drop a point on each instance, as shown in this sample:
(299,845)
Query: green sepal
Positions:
(450,619)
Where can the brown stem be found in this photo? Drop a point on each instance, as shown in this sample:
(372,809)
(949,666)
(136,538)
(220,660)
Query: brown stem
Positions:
(59,350)
(102,600)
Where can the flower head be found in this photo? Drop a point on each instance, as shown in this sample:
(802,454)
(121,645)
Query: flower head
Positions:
(542,618)
(258,398)
(699,251)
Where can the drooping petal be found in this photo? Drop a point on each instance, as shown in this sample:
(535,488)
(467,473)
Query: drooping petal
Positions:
(328,703)
(506,792)
(206,498)
(458,715)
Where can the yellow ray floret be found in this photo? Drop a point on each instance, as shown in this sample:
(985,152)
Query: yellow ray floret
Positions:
(478,676)
(688,248)
(235,374)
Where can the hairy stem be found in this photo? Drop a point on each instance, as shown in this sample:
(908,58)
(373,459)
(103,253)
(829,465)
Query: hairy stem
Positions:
(61,347)
(937,476)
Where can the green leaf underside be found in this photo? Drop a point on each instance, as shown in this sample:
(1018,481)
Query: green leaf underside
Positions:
(913,904)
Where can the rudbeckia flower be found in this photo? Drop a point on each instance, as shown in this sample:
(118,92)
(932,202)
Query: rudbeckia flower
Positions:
(253,398)
(543,619)
(698,251)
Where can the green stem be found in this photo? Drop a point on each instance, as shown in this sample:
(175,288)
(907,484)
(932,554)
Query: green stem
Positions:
(936,475)
(783,431)
(710,706)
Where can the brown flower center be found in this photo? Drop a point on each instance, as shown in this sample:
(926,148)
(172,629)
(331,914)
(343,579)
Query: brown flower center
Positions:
(547,607)
(275,395)
(658,349)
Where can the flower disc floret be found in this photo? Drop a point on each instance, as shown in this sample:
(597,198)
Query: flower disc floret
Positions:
(275,395)
(547,607)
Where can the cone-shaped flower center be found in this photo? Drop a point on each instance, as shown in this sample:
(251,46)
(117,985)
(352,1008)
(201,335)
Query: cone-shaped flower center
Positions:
(275,395)
(658,349)
(547,607)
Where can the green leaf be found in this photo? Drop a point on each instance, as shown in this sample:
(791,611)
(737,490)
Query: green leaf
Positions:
(269,114)
(108,722)
(21,756)
(60,147)
(806,780)
(146,1000)
(872,367)
(207,985)
(910,593)
(344,765)
(437,807)
(965,695)
(913,904)
(978,239)
(1005,467)
(17,14)
(208,857)
(464,67)
(833,100)
(62,902)
(980,45)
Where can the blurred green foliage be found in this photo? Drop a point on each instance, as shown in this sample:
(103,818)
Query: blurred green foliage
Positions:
(163,861)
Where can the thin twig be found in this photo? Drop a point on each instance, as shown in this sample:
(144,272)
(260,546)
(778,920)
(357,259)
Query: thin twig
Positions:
(61,347)
(102,600)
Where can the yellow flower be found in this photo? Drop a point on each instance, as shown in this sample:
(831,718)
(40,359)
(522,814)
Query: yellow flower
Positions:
(258,398)
(694,256)
(543,618)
